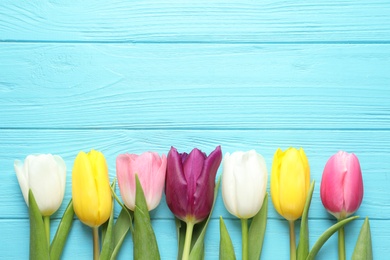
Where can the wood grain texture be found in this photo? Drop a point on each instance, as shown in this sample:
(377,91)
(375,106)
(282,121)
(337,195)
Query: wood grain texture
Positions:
(190,86)
(196,21)
(132,76)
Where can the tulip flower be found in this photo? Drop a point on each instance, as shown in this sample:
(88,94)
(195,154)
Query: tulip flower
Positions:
(342,189)
(342,185)
(151,171)
(91,192)
(244,183)
(45,175)
(290,182)
(189,188)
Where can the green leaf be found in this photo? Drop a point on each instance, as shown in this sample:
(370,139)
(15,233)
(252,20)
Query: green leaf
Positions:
(39,248)
(303,245)
(107,233)
(226,249)
(326,235)
(196,234)
(62,233)
(121,228)
(181,235)
(145,244)
(124,209)
(257,231)
(363,248)
(197,251)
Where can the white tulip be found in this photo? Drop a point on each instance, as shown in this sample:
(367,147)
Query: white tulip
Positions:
(45,175)
(244,183)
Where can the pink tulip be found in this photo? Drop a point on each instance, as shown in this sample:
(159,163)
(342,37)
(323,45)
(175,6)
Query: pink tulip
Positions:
(151,170)
(190,183)
(342,185)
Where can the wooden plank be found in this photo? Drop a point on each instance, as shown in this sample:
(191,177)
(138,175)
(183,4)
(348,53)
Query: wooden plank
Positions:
(369,146)
(192,86)
(276,245)
(196,21)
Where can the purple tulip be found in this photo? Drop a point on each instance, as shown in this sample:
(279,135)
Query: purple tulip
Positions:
(190,183)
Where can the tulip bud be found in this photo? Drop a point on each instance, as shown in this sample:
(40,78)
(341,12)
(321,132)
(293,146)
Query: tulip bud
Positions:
(342,185)
(45,175)
(91,192)
(190,183)
(290,182)
(151,170)
(244,183)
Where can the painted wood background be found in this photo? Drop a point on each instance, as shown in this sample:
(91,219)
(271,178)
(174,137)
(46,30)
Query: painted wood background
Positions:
(131,76)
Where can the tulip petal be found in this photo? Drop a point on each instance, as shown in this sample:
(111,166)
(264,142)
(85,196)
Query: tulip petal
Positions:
(46,183)
(193,166)
(143,167)
(255,182)
(332,184)
(84,191)
(244,183)
(248,185)
(22,177)
(353,185)
(289,182)
(126,180)
(275,180)
(176,185)
(157,180)
(61,168)
(205,184)
(91,188)
(228,184)
(103,185)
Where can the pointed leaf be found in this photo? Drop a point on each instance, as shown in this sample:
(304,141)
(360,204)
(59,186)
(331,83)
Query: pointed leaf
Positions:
(181,234)
(39,248)
(257,231)
(303,245)
(197,251)
(62,233)
(226,249)
(121,228)
(124,209)
(326,235)
(196,234)
(145,244)
(363,248)
(107,237)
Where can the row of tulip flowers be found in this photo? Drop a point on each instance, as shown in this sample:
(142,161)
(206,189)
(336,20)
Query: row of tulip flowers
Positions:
(189,182)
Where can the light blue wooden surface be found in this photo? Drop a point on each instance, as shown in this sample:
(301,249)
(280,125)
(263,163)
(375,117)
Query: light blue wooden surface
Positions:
(132,76)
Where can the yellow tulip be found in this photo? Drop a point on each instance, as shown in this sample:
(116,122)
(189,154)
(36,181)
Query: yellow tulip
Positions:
(92,201)
(290,181)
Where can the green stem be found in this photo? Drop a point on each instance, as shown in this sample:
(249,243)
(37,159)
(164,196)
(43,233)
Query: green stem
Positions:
(187,241)
(293,254)
(95,231)
(341,244)
(46,221)
(244,229)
